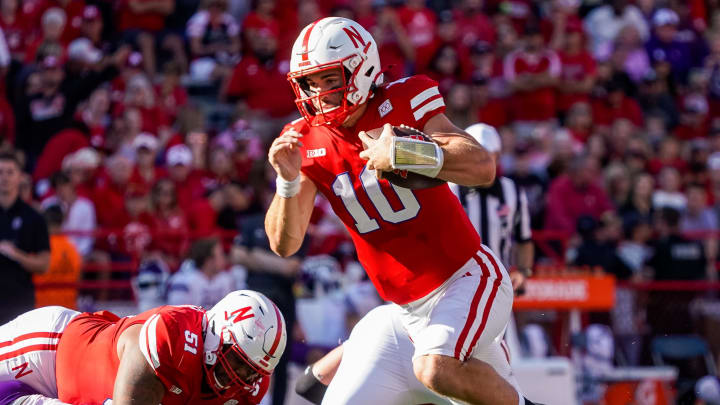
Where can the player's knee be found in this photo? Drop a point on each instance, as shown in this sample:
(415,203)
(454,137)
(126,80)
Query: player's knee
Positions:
(435,371)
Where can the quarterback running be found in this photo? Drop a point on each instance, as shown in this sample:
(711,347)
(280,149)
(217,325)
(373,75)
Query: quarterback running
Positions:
(173,355)
(415,241)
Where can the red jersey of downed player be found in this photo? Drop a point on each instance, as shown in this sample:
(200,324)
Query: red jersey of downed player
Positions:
(409,241)
(87,360)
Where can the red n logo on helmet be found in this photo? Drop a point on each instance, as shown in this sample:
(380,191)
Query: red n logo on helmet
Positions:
(354,34)
(242,314)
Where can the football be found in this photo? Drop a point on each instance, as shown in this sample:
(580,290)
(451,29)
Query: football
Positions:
(403,178)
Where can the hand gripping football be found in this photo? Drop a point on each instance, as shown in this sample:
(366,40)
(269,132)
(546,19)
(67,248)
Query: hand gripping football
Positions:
(404,178)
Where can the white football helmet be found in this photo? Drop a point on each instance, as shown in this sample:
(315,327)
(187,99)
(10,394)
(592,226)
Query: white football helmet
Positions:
(330,43)
(486,135)
(250,325)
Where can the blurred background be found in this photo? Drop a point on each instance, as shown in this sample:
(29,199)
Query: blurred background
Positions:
(143,125)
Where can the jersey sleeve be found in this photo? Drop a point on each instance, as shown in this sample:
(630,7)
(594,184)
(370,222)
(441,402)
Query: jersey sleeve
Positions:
(424,98)
(169,341)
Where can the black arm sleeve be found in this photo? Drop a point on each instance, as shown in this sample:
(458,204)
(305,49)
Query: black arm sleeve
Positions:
(309,387)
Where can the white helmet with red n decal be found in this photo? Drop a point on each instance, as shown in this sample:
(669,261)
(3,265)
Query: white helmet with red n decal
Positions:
(251,326)
(330,43)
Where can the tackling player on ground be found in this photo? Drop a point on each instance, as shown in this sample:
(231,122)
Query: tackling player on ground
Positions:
(418,247)
(173,355)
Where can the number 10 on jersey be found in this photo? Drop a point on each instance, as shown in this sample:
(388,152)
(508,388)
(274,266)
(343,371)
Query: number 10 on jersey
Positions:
(343,188)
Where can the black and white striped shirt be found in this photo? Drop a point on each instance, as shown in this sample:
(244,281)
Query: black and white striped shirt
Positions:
(499,213)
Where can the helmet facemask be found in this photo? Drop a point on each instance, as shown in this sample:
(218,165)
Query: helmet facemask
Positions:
(223,357)
(244,337)
(310,104)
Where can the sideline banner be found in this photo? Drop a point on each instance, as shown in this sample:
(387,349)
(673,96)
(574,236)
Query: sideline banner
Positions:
(591,292)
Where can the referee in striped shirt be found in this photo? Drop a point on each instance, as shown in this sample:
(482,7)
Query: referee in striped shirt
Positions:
(500,213)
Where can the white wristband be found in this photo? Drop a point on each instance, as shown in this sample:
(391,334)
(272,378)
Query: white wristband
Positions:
(287,189)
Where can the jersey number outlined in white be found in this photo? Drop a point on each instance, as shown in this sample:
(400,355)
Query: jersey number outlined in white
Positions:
(343,188)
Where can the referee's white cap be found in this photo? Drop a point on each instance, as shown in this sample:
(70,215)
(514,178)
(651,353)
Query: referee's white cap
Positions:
(486,135)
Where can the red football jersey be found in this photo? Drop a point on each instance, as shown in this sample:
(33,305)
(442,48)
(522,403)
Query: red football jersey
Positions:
(171,340)
(409,241)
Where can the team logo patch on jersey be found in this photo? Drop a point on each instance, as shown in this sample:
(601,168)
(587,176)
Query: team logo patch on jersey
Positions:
(313,153)
(385,108)
(175,390)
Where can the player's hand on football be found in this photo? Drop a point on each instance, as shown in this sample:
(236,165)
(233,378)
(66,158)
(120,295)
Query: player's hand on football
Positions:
(284,155)
(377,151)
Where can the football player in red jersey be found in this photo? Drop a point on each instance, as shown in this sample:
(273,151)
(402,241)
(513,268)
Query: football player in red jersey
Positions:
(418,246)
(169,355)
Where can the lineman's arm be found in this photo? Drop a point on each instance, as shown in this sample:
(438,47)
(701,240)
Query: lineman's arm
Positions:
(136,382)
(317,376)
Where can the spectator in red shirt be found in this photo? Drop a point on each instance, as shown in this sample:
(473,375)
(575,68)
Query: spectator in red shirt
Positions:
(136,222)
(245,146)
(259,83)
(53,24)
(482,61)
(532,73)
(187,182)
(575,194)
(395,49)
(146,172)
(563,18)
(140,95)
(473,24)
(578,70)
(109,195)
(420,24)
(82,167)
(169,223)
(132,67)
(220,167)
(16,27)
(668,156)
(261,18)
(172,96)
(695,108)
(616,105)
(445,68)
(489,110)
(74,11)
(203,213)
(579,121)
(58,147)
(141,20)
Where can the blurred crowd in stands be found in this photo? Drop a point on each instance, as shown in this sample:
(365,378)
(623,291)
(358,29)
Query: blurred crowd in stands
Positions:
(146,121)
